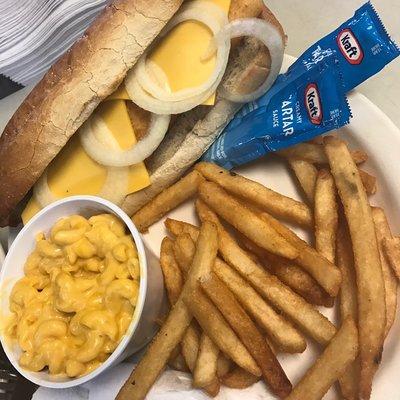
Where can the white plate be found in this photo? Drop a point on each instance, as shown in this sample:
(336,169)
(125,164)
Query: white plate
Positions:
(370,130)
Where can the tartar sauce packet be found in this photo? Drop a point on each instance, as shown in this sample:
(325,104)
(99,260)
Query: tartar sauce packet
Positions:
(309,99)
(305,102)
(362,44)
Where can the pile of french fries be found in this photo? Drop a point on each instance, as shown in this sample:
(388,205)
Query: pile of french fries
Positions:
(243,286)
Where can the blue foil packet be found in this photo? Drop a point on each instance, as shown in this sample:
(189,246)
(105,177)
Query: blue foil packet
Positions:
(352,53)
(362,45)
(303,103)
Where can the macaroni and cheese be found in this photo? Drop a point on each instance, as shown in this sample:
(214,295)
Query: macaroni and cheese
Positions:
(78,295)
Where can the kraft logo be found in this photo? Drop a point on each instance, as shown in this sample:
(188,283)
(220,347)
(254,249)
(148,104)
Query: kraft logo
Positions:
(349,46)
(313,103)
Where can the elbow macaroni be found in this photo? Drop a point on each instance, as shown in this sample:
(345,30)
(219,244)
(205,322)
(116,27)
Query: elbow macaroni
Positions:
(78,295)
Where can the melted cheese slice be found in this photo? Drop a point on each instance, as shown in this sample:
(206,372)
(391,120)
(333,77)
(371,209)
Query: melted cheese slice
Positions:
(187,42)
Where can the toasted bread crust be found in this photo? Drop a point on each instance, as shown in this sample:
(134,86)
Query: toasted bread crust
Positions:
(67,95)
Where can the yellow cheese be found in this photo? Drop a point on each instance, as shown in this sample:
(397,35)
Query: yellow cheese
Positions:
(31,209)
(119,94)
(179,54)
(73,172)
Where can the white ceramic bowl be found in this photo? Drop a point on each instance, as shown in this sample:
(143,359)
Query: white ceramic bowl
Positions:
(150,305)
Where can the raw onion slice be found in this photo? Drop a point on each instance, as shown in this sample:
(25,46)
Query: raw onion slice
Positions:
(155,106)
(215,26)
(149,95)
(270,36)
(158,75)
(95,138)
(115,187)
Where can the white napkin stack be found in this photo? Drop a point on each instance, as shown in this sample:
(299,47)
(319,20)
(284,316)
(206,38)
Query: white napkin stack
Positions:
(35,33)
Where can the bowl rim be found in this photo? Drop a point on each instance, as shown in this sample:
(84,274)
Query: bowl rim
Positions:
(71,382)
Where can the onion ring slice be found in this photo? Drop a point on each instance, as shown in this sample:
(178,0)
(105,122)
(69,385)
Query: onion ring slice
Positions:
(158,74)
(115,185)
(149,95)
(141,98)
(270,36)
(215,26)
(95,138)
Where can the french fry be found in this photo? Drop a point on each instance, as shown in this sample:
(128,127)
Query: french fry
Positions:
(315,154)
(345,260)
(172,274)
(178,363)
(306,174)
(167,200)
(371,290)
(205,371)
(330,365)
(214,325)
(224,365)
(321,269)
(198,350)
(347,305)
(245,220)
(238,378)
(213,388)
(369,182)
(174,353)
(156,357)
(173,330)
(191,349)
(247,331)
(205,368)
(179,227)
(290,274)
(284,335)
(316,140)
(190,345)
(383,232)
(265,198)
(305,316)
(392,252)
(359,156)
(183,244)
(193,352)
(325,215)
